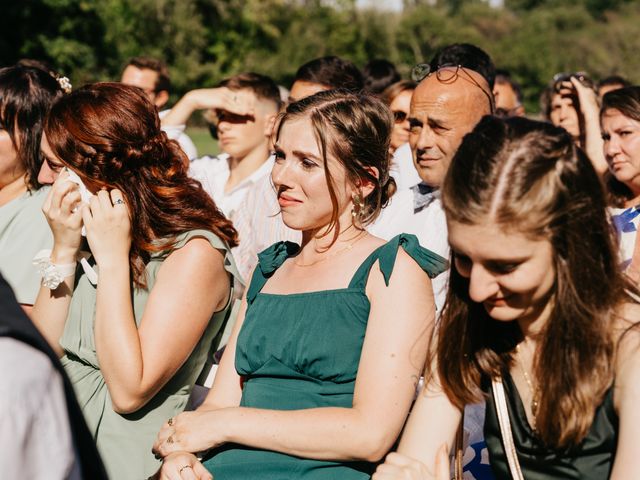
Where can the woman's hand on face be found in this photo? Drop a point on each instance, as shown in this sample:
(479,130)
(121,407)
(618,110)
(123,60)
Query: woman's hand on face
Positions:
(108,226)
(400,467)
(182,466)
(63,213)
(188,432)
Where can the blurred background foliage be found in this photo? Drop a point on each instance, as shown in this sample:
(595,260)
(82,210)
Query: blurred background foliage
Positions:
(204,41)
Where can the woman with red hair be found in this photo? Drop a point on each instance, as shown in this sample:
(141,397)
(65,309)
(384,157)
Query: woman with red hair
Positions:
(134,320)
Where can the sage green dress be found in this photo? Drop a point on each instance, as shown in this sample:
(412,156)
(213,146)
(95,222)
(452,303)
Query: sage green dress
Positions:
(125,441)
(302,351)
(24,231)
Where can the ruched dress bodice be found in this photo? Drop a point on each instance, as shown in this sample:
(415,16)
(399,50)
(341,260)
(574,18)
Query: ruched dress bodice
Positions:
(301,351)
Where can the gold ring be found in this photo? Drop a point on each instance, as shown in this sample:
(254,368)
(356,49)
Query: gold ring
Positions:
(170,439)
(170,422)
(186,466)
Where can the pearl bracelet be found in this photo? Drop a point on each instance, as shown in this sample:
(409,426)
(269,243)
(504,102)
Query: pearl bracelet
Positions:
(52,274)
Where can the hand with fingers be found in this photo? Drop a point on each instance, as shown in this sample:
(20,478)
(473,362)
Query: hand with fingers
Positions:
(61,209)
(108,226)
(587,97)
(238,102)
(400,467)
(195,431)
(182,466)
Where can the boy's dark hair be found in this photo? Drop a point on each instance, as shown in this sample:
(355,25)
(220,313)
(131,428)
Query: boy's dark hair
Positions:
(614,80)
(262,86)
(158,66)
(378,75)
(333,72)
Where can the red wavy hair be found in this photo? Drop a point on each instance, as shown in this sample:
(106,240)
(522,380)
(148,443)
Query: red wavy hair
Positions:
(109,134)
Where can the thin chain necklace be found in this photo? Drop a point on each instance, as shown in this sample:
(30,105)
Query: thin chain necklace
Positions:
(535,392)
(333,254)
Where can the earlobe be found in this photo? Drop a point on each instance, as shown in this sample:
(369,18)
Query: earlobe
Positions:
(270,124)
(162,97)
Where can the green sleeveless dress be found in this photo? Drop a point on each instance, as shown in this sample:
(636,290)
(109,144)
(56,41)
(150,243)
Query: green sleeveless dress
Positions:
(591,460)
(125,441)
(302,351)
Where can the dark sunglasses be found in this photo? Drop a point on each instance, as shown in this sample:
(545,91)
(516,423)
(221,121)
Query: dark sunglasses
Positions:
(399,116)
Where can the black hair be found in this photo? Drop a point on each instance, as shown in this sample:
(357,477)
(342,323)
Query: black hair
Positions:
(26,95)
(468,56)
(332,72)
(378,75)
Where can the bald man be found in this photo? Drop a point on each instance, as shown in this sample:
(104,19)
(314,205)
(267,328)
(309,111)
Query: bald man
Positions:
(445,106)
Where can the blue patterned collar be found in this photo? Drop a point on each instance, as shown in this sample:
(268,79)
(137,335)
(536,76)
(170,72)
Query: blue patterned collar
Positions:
(423,196)
(624,221)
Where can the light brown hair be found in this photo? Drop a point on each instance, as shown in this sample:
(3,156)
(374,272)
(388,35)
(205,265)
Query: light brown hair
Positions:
(528,177)
(356,130)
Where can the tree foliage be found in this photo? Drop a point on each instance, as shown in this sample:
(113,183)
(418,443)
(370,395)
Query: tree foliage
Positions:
(204,41)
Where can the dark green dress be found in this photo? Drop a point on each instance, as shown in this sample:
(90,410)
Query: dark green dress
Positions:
(302,351)
(591,460)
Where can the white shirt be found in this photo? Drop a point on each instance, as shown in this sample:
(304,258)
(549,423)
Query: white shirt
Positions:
(259,226)
(35,435)
(213,173)
(422,217)
(402,169)
(176,132)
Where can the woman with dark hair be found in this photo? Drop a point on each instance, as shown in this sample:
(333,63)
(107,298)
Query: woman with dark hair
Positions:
(322,366)
(620,121)
(570,101)
(26,93)
(135,322)
(538,317)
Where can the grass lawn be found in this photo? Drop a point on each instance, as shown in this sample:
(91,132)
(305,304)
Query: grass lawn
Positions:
(203,140)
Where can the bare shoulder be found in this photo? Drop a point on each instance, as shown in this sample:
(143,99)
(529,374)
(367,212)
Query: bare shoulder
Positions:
(627,327)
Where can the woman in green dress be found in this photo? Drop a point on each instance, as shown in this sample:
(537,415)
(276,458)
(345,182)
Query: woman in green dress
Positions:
(135,320)
(540,319)
(26,94)
(322,367)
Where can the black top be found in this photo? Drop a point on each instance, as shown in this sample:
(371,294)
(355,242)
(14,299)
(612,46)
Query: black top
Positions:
(592,459)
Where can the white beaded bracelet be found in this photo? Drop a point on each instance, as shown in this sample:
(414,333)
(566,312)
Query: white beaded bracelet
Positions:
(52,274)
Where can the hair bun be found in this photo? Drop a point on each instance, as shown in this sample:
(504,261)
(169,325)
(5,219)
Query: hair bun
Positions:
(387,190)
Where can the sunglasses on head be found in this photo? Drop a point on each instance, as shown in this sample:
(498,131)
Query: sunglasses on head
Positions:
(562,77)
(448,73)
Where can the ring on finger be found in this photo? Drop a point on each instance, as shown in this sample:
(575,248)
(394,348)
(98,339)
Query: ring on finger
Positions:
(169,439)
(183,467)
(119,201)
(170,422)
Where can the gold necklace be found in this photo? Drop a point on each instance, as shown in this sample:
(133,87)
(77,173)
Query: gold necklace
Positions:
(327,257)
(535,392)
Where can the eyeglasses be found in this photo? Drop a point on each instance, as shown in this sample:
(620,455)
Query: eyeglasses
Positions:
(448,73)
(399,116)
